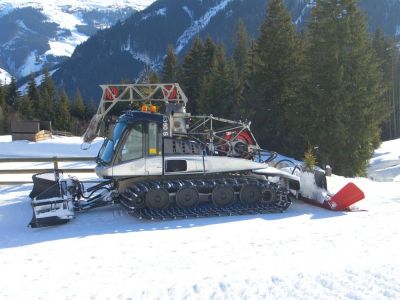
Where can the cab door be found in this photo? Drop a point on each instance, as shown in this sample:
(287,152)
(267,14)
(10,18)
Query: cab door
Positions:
(154,149)
(131,160)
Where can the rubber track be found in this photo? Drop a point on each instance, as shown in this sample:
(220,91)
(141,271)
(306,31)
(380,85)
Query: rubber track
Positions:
(279,204)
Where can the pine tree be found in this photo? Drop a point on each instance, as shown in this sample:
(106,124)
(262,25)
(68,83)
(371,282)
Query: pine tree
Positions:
(48,96)
(78,106)
(239,68)
(396,87)
(382,48)
(310,160)
(153,77)
(48,85)
(241,52)
(209,55)
(214,89)
(46,106)
(394,104)
(344,87)
(273,80)
(63,120)
(90,110)
(12,93)
(34,94)
(25,108)
(193,73)
(171,67)
(3,111)
(235,90)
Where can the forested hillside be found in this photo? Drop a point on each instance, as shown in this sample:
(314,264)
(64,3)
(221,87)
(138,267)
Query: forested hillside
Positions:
(333,86)
(123,51)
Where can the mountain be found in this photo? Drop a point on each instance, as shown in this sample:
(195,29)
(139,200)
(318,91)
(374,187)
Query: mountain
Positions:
(39,33)
(121,51)
(5,77)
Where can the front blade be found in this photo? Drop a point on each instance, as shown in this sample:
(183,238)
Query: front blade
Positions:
(347,196)
(51,204)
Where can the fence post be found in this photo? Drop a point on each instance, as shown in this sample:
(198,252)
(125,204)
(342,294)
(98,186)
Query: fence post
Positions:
(55,162)
(56,174)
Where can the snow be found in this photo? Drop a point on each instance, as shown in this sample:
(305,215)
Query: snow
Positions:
(68,16)
(198,25)
(65,46)
(308,188)
(159,12)
(304,253)
(38,80)
(385,165)
(5,77)
(59,5)
(188,11)
(32,64)
(57,146)
(22,26)
(309,5)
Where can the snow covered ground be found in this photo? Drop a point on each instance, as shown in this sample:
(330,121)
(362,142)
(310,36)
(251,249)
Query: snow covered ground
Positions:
(385,165)
(304,253)
(5,77)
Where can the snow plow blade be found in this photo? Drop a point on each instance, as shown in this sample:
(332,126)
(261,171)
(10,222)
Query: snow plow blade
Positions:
(342,200)
(347,196)
(50,206)
(46,184)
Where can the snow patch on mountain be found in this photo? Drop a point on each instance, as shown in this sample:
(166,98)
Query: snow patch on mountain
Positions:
(32,64)
(22,26)
(70,18)
(5,8)
(23,89)
(198,25)
(143,57)
(65,46)
(153,63)
(5,77)
(159,12)
(188,11)
(7,5)
(308,6)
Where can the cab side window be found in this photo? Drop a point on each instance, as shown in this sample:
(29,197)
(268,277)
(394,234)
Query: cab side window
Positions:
(133,148)
(154,139)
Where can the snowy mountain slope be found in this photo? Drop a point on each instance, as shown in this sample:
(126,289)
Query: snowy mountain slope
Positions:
(303,253)
(37,34)
(23,88)
(51,8)
(5,77)
(122,51)
(385,165)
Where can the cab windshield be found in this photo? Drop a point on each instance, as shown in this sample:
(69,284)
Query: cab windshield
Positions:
(109,146)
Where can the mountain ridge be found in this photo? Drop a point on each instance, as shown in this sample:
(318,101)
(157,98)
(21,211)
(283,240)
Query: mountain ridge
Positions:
(122,51)
(37,34)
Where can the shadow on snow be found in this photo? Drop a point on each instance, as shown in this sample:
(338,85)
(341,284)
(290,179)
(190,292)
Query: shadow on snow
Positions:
(16,213)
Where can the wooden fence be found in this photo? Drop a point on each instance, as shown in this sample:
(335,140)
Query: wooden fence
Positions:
(54,160)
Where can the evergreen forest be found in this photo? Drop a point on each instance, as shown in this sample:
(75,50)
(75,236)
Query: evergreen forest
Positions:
(332,86)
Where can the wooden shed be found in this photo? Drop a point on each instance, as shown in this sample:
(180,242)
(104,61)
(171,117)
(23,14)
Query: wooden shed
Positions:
(31,130)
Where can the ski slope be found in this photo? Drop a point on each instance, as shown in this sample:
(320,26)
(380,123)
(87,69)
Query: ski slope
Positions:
(304,253)
(5,77)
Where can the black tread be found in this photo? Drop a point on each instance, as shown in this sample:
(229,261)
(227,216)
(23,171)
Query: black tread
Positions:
(280,203)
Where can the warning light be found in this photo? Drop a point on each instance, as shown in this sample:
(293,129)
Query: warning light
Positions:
(111,93)
(153,108)
(144,108)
